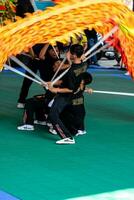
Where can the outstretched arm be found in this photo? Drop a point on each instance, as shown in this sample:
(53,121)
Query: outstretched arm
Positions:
(88,90)
(43,51)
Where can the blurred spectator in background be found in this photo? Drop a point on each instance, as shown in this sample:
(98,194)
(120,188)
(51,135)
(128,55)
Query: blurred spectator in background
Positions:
(80,39)
(92,40)
(23,6)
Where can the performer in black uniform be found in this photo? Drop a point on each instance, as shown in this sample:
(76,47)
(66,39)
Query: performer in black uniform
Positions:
(37,108)
(45,68)
(74,114)
(70,83)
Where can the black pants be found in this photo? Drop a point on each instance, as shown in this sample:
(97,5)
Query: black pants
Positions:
(60,103)
(34,65)
(35,109)
(73,117)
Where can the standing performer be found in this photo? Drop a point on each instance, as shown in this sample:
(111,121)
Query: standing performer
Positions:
(74,114)
(70,83)
(45,68)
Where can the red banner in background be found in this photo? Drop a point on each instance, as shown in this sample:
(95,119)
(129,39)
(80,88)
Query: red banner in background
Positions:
(2,8)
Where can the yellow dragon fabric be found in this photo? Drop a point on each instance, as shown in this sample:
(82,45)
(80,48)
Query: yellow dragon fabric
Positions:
(60,22)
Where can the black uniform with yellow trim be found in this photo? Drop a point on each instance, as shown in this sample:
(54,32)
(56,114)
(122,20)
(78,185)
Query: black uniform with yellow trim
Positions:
(74,114)
(71,81)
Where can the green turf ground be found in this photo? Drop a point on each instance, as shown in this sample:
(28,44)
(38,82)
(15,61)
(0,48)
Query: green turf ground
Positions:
(33,167)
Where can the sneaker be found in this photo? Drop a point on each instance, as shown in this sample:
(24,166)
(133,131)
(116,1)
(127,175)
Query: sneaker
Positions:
(43,123)
(49,124)
(51,130)
(66,141)
(26,127)
(127,73)
(80,132)
(20,105)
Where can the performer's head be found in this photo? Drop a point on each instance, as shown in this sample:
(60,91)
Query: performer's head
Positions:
(76,51)
(86,78)
(53,51)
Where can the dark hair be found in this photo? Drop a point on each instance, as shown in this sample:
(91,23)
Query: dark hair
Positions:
(52,47)
(49,47)
(47,55)
(87,77)
(77,50)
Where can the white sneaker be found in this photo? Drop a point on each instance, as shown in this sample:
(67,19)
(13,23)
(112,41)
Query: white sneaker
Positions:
(80,132)
(66,141)
(20,105)
(49,124)
(51,130)
(43,123)
(127,73)
(26,127)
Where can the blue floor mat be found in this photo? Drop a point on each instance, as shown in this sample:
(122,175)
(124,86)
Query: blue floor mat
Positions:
(6,196)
